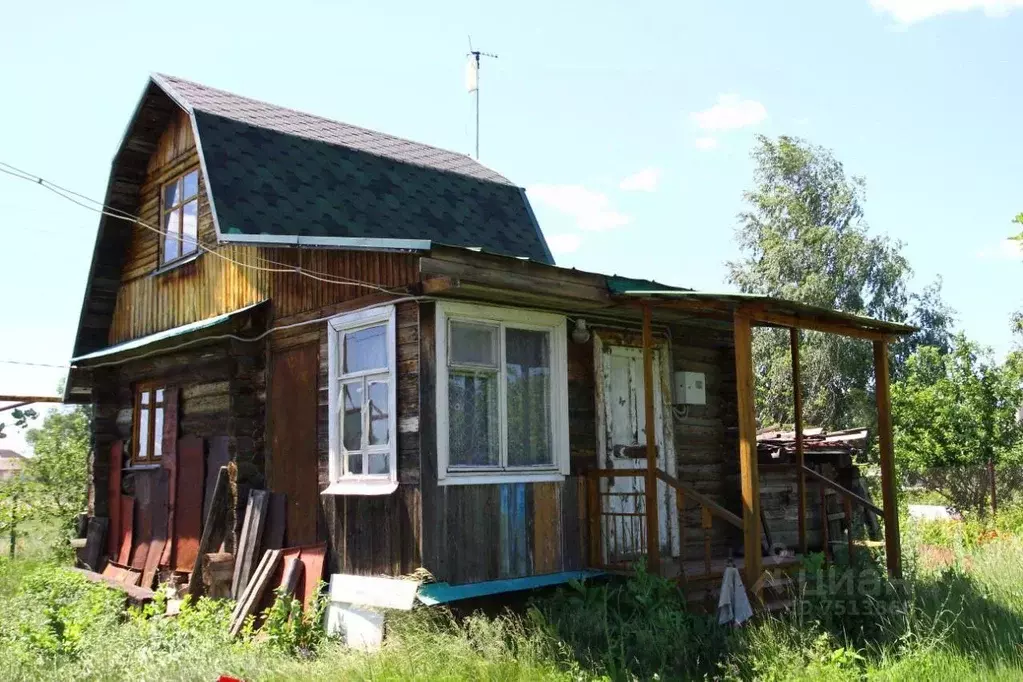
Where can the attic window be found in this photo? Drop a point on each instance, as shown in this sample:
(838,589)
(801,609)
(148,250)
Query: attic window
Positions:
(180,217)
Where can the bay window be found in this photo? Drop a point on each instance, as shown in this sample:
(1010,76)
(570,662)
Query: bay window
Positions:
(502,407)
(362,402)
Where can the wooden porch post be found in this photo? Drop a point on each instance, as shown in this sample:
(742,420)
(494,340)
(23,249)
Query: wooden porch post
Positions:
(893,551)
(797,399)
(653,526)
(748,447)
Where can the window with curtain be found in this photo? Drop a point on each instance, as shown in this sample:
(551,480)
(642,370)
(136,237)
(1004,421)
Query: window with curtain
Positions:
(502,393)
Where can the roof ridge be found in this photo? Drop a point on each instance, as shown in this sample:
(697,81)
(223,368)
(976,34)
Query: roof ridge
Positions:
(169,80)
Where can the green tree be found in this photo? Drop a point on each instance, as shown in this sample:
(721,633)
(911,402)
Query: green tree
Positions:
(14,509)
(953,415)
(58,471)
(804,238)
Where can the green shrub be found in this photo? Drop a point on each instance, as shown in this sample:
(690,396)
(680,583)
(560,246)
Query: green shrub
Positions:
(292,630)
(634,629)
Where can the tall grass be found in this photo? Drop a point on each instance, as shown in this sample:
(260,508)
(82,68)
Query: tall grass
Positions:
(960,620)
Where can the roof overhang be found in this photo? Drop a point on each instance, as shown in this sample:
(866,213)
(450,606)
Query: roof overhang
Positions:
(164,341)
(347,243)
(210,330)
(502,279)
(766,311)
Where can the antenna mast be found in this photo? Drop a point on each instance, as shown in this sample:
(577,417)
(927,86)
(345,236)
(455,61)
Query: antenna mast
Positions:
(472,82)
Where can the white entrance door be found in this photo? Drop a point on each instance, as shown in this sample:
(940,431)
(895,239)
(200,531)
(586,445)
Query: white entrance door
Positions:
(621,424)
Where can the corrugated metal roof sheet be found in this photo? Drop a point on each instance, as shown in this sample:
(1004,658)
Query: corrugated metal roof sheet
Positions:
(183,330)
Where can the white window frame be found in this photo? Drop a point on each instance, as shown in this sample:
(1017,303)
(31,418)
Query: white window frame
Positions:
(516,318)
(361,484)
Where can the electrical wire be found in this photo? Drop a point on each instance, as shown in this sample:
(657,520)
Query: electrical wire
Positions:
(32,364)
(111,212)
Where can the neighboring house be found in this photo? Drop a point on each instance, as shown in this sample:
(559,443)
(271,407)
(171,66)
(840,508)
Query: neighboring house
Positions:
(11,464)
(376,328)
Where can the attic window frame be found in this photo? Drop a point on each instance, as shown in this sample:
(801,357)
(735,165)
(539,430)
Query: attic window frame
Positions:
(165,210)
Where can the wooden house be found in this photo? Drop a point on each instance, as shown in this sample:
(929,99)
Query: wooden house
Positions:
(376,329)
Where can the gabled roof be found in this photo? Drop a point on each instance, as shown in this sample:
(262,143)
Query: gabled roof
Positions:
(274,172)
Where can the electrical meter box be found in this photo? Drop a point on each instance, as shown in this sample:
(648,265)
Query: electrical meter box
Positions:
(690,388)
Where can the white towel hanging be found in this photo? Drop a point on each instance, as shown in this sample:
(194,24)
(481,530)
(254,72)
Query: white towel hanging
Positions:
(733,604)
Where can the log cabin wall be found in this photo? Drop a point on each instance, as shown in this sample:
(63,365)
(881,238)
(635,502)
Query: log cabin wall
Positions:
(707,436)
(213,391)
(368,535)
(475,533)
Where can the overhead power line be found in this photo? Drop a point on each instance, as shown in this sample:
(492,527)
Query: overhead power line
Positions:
(112,212)
(33,364)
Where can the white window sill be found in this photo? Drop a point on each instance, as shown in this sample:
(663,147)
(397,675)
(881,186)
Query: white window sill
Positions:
(354,487)
(482,478)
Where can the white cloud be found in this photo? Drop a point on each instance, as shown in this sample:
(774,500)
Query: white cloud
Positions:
(910,11)
(1007,249)
(645,180)
(706,142)
(591,210)
(730,113)
(564,243)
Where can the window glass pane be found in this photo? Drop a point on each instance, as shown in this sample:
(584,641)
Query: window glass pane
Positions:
(528,373)
(172,194)
(191,185)
(365,349)
(143,435)
(158,432)
(351,400)
(354,464)
(473,344)
(145,397)
(189,227)
(379,419)
(472,419)
(378,464)
(171,224)
(159,395)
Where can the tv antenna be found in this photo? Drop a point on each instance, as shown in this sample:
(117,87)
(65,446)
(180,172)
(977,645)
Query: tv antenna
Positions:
(472,83)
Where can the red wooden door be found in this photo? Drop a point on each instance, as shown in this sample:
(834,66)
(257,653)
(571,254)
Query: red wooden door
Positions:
(293,462)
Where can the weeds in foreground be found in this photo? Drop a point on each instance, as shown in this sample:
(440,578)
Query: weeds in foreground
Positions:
(959,622)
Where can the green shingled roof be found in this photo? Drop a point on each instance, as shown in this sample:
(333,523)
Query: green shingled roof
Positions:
(274,171)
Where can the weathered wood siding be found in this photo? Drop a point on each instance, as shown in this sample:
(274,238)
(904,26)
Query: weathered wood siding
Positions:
(474,533)
(230,278)
(365,535)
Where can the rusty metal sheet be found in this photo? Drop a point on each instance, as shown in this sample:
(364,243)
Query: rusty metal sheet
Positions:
(187,529)
(114,498)
(127,515)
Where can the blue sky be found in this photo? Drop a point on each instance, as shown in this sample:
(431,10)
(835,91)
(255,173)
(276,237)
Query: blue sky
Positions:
(630,124)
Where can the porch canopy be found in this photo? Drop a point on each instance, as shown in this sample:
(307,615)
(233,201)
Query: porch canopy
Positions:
(746,311)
